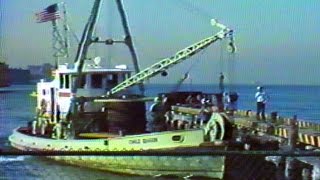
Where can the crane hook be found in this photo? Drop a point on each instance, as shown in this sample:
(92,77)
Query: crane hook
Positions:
(231,45)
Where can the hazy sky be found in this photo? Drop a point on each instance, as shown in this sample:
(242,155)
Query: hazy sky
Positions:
(278,41)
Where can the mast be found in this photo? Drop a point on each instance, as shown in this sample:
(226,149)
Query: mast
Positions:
(60,50)
(85,42)
(128,40)
(86,39)
(60,41)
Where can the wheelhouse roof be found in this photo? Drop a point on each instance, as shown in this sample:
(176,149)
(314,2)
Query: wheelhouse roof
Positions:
(94,70)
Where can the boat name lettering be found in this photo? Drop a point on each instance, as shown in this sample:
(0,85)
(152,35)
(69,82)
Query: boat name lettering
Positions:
(134,141)
(150,140)
(139,141)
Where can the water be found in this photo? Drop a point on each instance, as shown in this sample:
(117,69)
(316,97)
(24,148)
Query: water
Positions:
(17,108)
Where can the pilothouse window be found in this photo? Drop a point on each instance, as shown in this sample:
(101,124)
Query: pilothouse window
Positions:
(67,78)
(96,80)
(61,80)
(112,79)
(82,81)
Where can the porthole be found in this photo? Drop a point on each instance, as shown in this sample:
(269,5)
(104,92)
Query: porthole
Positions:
(177,138)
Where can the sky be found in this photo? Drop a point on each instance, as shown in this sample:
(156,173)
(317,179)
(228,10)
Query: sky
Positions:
(278,41)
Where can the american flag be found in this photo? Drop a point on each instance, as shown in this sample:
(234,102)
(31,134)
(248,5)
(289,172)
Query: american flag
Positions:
(48,14)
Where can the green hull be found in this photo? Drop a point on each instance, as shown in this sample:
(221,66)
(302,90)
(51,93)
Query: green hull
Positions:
(182,166)
(177,165)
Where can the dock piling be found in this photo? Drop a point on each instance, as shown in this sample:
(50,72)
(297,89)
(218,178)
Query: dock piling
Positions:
(293,133)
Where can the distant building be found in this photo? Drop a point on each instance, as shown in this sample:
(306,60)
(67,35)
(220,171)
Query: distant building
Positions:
(4,79)
(40,71)
(19,76)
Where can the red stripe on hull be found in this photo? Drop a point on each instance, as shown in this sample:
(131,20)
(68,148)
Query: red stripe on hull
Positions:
(64,94)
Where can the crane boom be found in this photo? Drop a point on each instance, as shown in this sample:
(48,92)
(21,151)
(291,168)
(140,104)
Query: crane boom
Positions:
(175,59)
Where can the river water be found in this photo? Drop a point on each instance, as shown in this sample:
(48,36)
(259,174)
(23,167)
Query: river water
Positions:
(17,108)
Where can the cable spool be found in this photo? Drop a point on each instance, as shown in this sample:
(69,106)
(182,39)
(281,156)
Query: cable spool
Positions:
(126,117)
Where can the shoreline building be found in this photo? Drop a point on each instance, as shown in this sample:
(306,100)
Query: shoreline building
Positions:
(4,79)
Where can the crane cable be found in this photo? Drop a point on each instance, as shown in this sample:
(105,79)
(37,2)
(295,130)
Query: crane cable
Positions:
(187,73)
(191,8)
(231,70)
(230,66)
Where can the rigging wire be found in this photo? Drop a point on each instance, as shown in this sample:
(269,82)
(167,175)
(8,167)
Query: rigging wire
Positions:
(227,66)
(68,18)
(69,34)
(192,8)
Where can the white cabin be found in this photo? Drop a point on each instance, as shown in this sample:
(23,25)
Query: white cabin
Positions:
(96,81)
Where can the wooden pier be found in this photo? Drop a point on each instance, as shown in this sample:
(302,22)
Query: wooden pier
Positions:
(308,132)
(294,136)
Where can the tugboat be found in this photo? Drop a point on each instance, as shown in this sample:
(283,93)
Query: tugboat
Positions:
(90,108)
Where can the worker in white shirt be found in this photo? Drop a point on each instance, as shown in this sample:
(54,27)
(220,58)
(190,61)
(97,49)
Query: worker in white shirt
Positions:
(261,98)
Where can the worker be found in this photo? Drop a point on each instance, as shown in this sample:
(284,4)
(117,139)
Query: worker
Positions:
(261,98)
(230,102)
(34,127)
(206,110)
(43,105)
(194,101)
(156,105)
(64,129)
(226,101)
(157,110)
(56,131)
(221,84)
(43,125)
